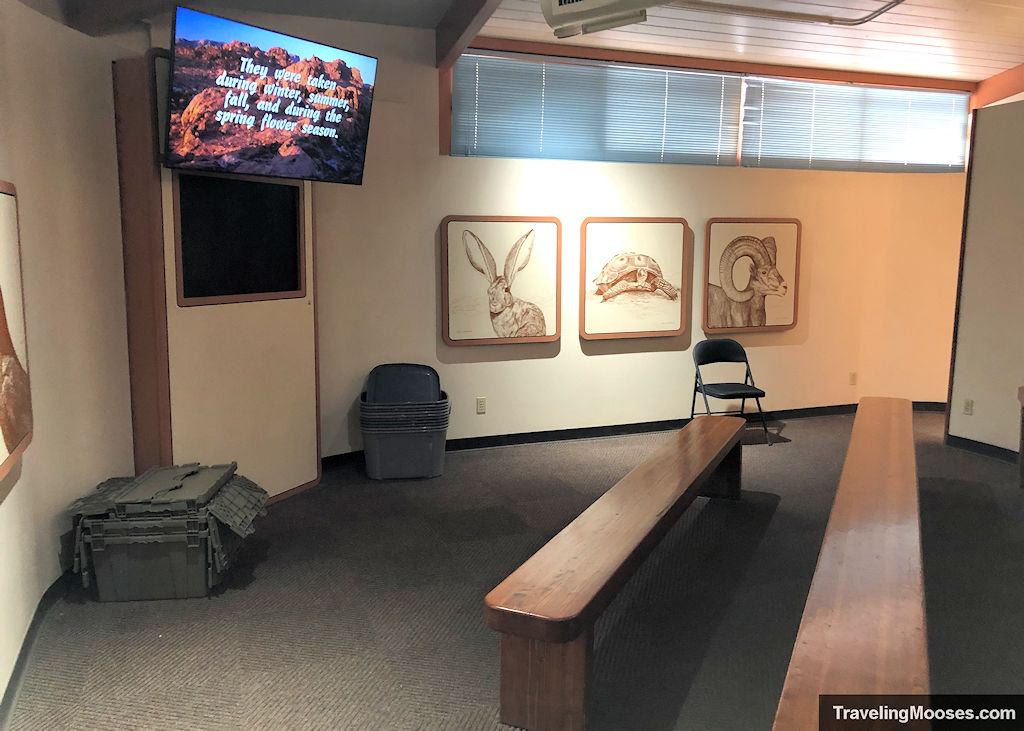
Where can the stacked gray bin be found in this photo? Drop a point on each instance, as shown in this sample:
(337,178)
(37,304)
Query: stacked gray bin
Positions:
(170,533)
(404,418)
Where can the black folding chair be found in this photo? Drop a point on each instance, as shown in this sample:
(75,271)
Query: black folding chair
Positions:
(724,350)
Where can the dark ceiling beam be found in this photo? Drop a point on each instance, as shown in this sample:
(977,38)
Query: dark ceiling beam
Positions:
(459,26)
(100,17)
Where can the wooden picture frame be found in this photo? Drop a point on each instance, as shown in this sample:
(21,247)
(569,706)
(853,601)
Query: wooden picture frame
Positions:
(479,254)
(15,397)
(285,251)
(767,249)
(632,278)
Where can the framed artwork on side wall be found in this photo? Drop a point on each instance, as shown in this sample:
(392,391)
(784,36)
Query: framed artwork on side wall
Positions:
(751,273)
(501,279)
(631,278)
(15,398)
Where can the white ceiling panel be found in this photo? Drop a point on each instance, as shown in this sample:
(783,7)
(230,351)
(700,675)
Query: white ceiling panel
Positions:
(966,40)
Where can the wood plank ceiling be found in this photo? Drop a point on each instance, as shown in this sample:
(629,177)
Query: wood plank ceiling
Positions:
(967,40)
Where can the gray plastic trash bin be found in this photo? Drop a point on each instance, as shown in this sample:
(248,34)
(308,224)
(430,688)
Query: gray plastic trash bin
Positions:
(404,418)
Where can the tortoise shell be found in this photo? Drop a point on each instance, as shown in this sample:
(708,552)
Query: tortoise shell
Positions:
(623,265)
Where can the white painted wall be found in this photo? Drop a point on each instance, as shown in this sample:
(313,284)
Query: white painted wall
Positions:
(877,289)
(64,166)
(878,272)
(877,278)
(243,377)
(990,342)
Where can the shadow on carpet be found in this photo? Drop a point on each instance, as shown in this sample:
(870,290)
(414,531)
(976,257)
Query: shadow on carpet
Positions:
(650,643)
(973,550)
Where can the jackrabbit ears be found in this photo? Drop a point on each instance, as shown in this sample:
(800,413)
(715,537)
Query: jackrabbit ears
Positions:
(521,250)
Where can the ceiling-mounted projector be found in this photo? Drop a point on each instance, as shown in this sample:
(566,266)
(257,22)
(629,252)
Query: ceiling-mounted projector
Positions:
(572,17)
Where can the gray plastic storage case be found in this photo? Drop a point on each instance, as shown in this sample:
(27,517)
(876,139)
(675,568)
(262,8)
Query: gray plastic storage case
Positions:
(161,535)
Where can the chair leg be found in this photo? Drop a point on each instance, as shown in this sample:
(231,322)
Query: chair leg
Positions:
(693,403)
(764,423)
(743,406)
(707,408)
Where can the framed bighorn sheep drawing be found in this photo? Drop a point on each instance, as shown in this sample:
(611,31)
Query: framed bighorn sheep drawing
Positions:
(500,279)
(751,268)
(15,398)
(631,278)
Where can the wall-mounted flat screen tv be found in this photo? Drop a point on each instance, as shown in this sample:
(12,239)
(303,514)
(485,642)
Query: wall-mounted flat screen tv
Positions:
(244,99)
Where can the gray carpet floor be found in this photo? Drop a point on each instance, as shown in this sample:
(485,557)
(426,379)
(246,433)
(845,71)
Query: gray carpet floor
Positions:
(357,605)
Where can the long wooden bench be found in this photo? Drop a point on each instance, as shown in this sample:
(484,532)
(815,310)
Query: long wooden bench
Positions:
(546,609)
(863,627)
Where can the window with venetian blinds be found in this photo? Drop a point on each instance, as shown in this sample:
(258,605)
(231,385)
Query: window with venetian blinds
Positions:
(537,107)
(515,107)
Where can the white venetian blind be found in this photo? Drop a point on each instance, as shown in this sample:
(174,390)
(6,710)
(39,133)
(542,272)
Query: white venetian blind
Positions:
(796,124)
(528,107)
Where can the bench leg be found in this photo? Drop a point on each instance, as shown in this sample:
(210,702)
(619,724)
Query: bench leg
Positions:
(725,480)
(544,684)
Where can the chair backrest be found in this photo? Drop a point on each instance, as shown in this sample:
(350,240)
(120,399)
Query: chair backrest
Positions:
(720,350)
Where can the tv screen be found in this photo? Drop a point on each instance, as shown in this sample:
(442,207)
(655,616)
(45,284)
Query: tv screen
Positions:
(243,99)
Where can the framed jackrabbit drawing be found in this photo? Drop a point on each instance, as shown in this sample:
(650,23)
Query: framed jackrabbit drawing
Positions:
(500,279)
(632,278)
(751,270)
(15,399)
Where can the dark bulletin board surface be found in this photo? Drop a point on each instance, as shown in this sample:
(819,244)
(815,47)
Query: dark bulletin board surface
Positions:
(238,240)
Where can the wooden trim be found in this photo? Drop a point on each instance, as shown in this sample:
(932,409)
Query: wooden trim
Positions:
(184,301)
(141,200)
(707,266)
(560,50)
(960,274)
(444,281)
(462,21)
(444,107)
(296,490)
(1002,85)
(1020,451)
(316,342)
(684,293)
(8,188)
(151,56)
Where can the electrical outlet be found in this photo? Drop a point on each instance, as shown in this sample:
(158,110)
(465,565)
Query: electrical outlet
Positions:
(481,404)
(853,378)
(969,407)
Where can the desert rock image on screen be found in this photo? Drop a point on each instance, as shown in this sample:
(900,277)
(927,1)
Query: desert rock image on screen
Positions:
(236,106)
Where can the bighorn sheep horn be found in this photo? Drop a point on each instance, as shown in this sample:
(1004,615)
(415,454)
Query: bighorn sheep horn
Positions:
(763,254)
